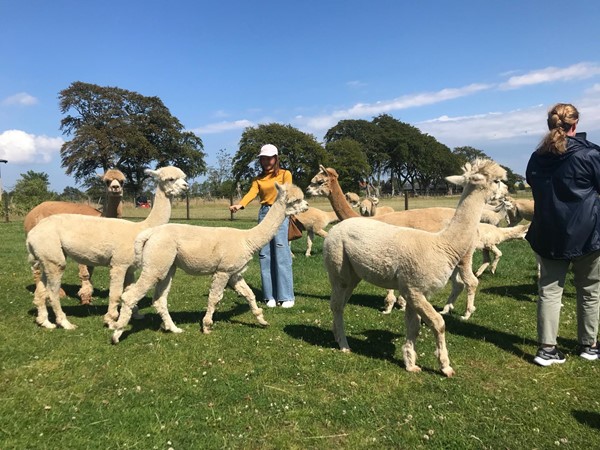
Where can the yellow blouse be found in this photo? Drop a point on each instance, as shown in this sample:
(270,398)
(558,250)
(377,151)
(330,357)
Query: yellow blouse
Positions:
(264,187)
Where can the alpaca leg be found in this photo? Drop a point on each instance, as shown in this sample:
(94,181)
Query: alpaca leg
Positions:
(457,288)
(240,286)
(129,300)
(310,236)
(161,294)
(51,278)
(497,256)
(340,294)
(86,290)
(117,280)
(413,325)
(39,299)
(215,295)
(388,302)
(437,324)
(486,262)
(465,269)
(129,280)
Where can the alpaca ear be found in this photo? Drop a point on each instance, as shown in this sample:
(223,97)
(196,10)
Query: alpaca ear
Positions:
(150,172)
(279,187)
(375,200)
(459,180)
(323,169)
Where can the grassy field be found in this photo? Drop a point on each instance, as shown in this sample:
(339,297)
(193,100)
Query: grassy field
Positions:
(287,385)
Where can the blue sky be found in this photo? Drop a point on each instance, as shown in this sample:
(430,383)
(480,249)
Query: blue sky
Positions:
(472,73)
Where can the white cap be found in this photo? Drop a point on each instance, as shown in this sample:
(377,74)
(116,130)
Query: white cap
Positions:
(268,150)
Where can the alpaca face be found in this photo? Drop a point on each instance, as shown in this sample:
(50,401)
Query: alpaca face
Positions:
(483,174)
(170,179)
(293,197)
(114,180)
(352,198)
(319,185)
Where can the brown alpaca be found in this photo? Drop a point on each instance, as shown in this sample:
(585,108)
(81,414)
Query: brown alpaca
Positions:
(113,207)
(426,219)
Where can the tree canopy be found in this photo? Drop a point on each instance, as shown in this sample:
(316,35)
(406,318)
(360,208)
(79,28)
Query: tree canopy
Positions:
(114,127)
(299,152)
(30,190)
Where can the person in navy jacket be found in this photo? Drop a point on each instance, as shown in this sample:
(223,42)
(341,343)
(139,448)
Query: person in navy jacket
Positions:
(564,175)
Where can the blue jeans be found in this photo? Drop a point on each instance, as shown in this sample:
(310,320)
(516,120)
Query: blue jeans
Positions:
(276,264)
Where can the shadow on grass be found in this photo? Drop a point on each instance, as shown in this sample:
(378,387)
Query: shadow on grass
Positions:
(377,343)
(153,321)
(591,419)
(518,292)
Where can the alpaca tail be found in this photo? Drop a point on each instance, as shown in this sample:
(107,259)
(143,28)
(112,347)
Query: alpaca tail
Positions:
(138,246)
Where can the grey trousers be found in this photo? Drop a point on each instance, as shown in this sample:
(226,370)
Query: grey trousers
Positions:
(586,270)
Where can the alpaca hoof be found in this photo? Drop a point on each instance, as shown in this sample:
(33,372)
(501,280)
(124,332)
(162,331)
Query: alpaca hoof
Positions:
(346,350)
(449,372)
(413,369)
(47,324)
(115,337)
(62,293)
(67,325)
(447,309)
(206,330)
(85,301)
(263,322)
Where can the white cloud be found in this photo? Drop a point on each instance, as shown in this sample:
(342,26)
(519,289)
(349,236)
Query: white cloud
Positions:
(222,127)
(19,147)
(22,99)
(368,110)
(550,74)
(354,84)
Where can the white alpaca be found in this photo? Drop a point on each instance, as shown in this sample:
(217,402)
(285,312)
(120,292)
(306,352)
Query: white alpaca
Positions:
(415,262)
(489,236)
(314,221)
(221,252)
(368,208)
(114,180)
(428,219)
(94,241)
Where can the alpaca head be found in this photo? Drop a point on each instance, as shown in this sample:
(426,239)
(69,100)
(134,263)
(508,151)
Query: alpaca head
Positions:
(352,198)
(321,182)
(482,174)
(114,180)
(170,179)
(292,197)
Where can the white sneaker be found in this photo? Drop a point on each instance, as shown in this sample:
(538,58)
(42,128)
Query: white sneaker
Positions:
(288,304)
(271,303)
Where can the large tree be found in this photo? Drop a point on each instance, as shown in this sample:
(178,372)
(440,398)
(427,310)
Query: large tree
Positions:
(113,127)
(31,190)
(299,152)
(349,161)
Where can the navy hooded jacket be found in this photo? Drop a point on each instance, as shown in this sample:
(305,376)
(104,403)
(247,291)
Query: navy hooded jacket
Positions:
(566,222)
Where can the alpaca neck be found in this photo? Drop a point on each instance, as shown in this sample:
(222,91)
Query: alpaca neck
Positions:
(461,232)
(267,228)
(161,210)
(113,207)
(340,205)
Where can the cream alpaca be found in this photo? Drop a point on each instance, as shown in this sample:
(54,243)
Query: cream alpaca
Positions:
(94,241)
(489,236)
(428,219)
(113,207)
(352,198)
(315,220)
(223,253)
(368,208)
(415,262)
(523,210)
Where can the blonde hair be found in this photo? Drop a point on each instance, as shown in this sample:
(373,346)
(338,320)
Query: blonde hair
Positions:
(561,118)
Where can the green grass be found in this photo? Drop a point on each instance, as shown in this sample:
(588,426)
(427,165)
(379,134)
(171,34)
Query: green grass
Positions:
(287,385)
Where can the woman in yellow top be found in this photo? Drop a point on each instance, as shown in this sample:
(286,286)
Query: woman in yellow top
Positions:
(275,257)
